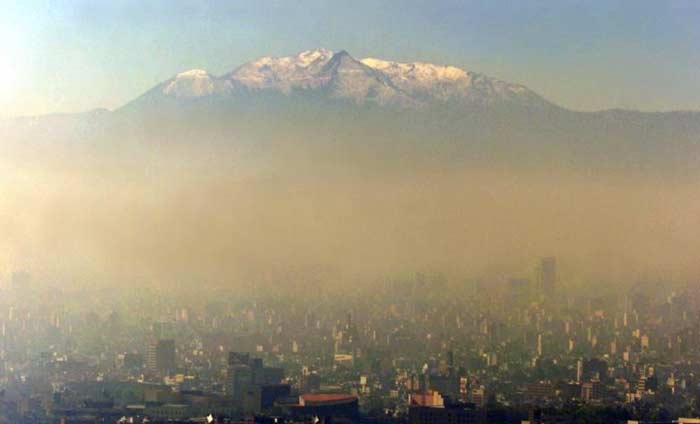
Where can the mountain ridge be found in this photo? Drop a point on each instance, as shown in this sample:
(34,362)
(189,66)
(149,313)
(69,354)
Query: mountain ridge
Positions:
(340,76)
(404,84)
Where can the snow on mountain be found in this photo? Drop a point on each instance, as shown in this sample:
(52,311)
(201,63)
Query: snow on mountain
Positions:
(347,78)
(337,75)
(416,73)
(428,81)
(283,74)
(194,83)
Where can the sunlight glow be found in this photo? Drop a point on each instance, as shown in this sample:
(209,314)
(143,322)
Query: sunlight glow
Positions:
(11,61)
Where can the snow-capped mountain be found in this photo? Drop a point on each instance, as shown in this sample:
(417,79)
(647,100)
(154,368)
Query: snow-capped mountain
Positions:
(339,76)
(314,95)
(193,84)
(284,74)
(430,82)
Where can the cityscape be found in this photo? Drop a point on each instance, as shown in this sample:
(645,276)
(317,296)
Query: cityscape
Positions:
(349,212)
(420,349)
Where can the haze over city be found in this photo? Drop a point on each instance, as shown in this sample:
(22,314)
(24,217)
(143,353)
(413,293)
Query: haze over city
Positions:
(401,212)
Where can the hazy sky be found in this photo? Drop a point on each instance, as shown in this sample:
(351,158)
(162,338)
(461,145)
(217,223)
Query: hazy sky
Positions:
(73,55)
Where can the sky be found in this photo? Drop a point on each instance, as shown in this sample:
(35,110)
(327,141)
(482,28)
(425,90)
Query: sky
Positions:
(77,55)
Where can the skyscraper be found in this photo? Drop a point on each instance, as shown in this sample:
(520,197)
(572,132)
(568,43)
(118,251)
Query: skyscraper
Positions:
(548,275)
(246,372)
(165,356)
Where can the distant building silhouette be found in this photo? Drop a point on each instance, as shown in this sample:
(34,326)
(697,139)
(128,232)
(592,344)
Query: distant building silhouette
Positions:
(160,356)
(548,276)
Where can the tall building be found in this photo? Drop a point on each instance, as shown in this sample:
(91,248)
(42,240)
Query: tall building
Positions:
(161,356)
(548,275)
(246,373)
(150,356)
(519,291)
(260,398)
(579,370)
(239,381)
(591,390)
(445,384)
(539,391)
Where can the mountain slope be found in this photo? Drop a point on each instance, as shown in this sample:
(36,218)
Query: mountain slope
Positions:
(323,74)
(330,97)
(430,82)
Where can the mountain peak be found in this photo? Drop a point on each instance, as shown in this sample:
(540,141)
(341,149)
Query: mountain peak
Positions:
(323,73)
(342,58)
(309,56)
(192,84)
(342,53)
(416,70)
(283,74)
(193,73)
